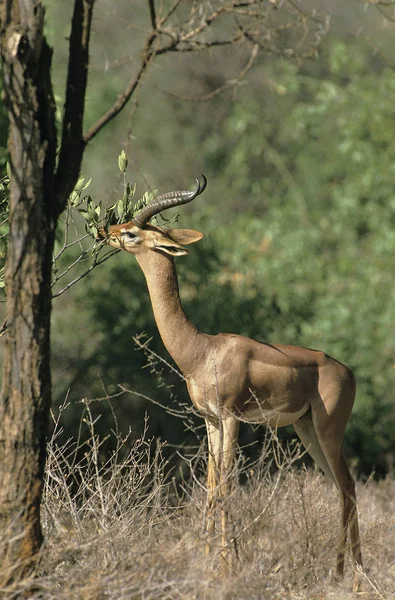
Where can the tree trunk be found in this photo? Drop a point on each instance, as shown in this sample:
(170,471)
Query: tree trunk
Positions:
(26,390)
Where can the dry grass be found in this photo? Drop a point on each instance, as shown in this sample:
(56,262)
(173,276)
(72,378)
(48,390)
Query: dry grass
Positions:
(113,532)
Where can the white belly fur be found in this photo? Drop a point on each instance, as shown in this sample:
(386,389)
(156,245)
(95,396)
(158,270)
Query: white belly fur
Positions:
(272,417)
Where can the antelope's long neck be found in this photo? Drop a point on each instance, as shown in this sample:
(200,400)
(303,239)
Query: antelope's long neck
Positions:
(183,341)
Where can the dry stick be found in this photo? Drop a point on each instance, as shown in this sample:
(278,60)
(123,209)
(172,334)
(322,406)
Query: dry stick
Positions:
(372,584)
(171,10)
(62,482)
(205,23)
(187,409)
(305,519)
(262,512)
(171,411)
(145,347)
(95,459)
(289,461)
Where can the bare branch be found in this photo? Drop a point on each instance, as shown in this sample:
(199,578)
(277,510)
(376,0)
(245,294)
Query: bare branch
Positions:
(123,99)
(144,346)
(253,22)
(171,411)
(170,12)
(96,262)
(152,13)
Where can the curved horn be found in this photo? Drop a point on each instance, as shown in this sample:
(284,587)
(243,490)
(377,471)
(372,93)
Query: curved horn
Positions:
(165,201)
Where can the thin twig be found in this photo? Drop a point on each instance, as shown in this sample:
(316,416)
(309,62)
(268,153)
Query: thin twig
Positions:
(85,273)
(145,347)
(123,99)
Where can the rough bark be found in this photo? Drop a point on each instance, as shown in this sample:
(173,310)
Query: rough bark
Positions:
(26,391)
(38,196)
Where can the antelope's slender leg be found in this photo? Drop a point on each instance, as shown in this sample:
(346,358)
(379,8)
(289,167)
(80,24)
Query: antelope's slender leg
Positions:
(230,431)
(213,477)
(221,447)
(321,435)
(350,520)
(307,435)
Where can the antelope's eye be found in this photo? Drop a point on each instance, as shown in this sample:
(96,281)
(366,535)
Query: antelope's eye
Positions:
(128,236)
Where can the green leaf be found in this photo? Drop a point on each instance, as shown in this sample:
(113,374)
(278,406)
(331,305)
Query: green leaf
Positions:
(122,162)
(84,213)
(120,208)
(93,231)
(79,186)
(148,196)
(74,199)
(131,190)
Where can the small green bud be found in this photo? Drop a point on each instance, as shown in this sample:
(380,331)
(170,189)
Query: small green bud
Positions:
(122,162)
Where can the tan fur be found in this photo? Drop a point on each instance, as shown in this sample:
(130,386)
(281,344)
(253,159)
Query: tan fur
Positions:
(231,378)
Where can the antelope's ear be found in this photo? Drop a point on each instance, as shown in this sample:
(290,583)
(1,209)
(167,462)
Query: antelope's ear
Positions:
(184,236)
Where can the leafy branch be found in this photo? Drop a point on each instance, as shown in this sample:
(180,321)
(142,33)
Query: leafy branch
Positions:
(95,216)
(79,205)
